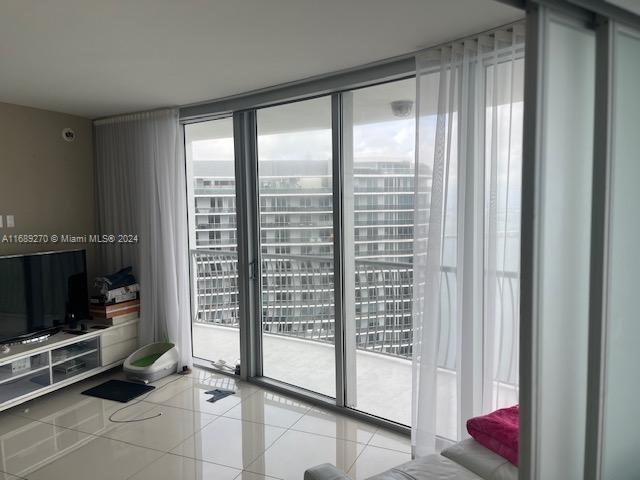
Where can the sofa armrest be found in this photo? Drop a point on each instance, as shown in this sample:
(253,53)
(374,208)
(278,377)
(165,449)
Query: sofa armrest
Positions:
(326,471)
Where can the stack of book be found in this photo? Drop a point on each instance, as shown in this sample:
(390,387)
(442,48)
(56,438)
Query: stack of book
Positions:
(114,283)
(116,306)
(117,295)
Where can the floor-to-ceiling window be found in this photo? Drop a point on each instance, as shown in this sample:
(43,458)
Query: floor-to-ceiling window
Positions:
(295,190)
(295,198)
(334,297)
(211,187)
(379,170)
(504,90)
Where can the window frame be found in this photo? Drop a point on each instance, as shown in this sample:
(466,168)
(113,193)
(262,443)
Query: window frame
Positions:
(248,235)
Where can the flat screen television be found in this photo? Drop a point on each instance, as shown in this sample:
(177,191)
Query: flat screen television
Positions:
(41,291)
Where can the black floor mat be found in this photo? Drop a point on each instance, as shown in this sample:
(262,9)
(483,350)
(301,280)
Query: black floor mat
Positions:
(118,391)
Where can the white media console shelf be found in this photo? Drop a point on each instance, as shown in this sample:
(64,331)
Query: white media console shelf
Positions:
(33,369)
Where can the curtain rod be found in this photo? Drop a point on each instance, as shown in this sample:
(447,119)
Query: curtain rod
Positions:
(489,33)
(123,116)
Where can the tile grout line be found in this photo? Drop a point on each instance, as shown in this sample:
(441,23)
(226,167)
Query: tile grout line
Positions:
(374,434)
(20,415)
(184,456)
(265,476)
(356,459)
(265,423)
(326,435)
(373,446)
(145,466)
(19,477)
(193,382)
(156,405)
(201,411)
(202,460)
(364,446)
(95,436)
(271,445)
(72,428)
(376,429)
(217,417)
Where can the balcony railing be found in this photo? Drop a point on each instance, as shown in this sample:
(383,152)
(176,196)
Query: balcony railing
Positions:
(205,190)
(298,301)
(213,225)
(277,209)
(214,210)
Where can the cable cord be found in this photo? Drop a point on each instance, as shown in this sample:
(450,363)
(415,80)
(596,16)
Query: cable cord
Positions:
(137,402)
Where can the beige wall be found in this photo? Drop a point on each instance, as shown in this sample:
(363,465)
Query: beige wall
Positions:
(45,182)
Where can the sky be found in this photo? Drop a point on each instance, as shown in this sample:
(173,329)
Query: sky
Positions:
(384,140)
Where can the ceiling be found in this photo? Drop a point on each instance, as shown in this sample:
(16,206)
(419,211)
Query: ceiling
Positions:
(96,58)
(631,5)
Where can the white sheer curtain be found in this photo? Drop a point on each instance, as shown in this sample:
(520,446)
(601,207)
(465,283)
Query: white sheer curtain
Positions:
(467,230)
(140,182)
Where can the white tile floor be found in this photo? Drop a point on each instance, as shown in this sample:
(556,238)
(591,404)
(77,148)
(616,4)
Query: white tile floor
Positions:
(253,435)
(314,368)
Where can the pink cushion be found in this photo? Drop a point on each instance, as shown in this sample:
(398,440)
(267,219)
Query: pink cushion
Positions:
(497,431)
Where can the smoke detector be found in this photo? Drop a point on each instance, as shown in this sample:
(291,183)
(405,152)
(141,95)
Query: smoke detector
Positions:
(402,108)
(68,135)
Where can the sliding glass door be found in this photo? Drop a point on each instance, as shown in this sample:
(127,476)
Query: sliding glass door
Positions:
(295,197)
(211,189)
(328,243)
(378,165)
(622,356)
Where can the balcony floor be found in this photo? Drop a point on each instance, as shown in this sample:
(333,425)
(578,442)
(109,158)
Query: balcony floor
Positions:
(383,382)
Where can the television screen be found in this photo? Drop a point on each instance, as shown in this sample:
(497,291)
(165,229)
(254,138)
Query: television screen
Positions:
(41,291)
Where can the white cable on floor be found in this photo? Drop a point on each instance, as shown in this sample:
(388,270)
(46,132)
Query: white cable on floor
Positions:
(137,402)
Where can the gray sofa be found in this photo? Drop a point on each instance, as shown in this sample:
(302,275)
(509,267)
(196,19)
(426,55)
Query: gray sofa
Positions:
(466,460)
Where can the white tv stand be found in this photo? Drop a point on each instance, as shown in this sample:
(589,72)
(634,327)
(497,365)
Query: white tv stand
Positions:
(30,370)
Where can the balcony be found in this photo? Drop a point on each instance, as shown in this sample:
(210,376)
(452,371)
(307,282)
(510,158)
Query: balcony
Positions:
(206,191)
(211,226)
(297,303)
(377,190)
(214,210)
(283,209)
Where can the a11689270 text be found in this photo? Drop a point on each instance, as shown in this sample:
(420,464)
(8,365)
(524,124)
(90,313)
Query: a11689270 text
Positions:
(21,238)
